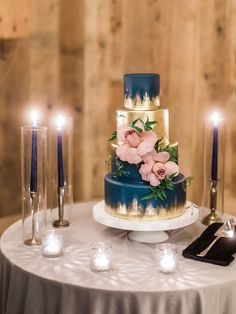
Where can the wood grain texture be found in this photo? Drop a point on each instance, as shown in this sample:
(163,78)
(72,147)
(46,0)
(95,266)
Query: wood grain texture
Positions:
(14,19)
(74,59)
(96,97)
(71,78)
(14,61)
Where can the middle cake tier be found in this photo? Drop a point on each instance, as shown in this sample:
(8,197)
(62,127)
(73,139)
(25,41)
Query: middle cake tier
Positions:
(161,115)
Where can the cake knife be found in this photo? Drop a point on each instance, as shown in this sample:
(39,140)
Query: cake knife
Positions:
(226,231)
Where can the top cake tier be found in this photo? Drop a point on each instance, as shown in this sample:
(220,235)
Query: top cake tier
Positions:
(141,91)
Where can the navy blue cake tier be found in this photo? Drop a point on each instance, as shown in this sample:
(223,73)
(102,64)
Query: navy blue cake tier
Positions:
(123,199)
(142,84)
(141,91)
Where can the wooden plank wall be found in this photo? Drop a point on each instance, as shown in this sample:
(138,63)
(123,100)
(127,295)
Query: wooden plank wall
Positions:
(69,55)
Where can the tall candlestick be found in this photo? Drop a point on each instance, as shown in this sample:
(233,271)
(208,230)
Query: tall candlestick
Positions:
(61,222)
(214,163)
(61,181)
(213,217)
(33,175)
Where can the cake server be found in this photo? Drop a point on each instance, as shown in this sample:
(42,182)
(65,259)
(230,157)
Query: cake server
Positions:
(226,231)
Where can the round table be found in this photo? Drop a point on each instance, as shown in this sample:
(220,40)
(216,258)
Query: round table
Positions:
(33,284)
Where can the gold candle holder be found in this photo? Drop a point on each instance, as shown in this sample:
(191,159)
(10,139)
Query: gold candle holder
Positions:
(213,168)
(61,222)
(34,239)
(212,217)
(61,188)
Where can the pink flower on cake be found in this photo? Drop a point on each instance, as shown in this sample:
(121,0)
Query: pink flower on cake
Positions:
(147,174)
(129,154)
(172,168)
(134,145)
(157,167)
(153,156)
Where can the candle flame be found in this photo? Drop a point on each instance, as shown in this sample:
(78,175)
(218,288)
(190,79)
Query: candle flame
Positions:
(34,117)
(215,118)
(60,121)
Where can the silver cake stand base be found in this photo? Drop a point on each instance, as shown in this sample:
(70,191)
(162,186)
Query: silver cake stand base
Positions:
(146,231)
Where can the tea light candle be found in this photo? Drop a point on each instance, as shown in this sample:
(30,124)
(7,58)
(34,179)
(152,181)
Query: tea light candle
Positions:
(52,244)
(100,256)
(167,258)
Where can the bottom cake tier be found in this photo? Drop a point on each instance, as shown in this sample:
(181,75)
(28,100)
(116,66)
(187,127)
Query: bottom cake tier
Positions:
(124,200)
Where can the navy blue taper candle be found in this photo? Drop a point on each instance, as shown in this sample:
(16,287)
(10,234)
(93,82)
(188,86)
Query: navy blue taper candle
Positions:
(214,163)
(61,182)
(34,161)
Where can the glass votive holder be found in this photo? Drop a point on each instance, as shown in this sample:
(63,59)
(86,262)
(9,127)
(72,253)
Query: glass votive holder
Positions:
(166,258)
(100,256)
(52,244)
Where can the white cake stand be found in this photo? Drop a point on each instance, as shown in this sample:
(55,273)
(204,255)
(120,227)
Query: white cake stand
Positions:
(146,231)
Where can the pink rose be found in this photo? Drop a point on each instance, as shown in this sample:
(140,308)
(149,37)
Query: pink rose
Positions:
(132,138)
(144,170)
(133,144)
(172,168)
(148,141)
(129,154)
(153,156)
(159,169)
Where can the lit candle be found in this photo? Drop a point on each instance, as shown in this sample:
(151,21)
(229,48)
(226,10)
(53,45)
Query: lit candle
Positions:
(167,258)
(33,174)
(168,263)
(101,261)
(214,163)
(100,257)
(61,181)
(52,244)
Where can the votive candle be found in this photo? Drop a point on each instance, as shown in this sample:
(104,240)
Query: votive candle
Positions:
(167,258)
(52,244)
(100,256)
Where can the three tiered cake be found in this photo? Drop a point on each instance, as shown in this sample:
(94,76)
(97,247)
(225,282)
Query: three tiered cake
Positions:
(144,182)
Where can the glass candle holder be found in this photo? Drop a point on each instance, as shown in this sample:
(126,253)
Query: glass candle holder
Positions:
(213,168)
(100,256)
(167,258)
(52,244)
(61,156)
(33,176)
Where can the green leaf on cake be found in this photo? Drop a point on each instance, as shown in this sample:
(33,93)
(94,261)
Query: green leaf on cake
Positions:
(139,130)
(187,183)
(148,125)
(134,126)
(160,191)
(147,197)
(108,163)
(113,136)
(119,168)
(171,150)
(157,144)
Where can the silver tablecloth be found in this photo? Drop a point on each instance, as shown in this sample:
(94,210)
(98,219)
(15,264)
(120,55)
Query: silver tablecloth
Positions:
(32,284)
